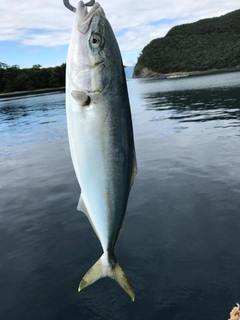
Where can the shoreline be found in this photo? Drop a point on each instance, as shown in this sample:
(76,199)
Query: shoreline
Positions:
(151,76)
(29,92)
(213,71)
(189,74)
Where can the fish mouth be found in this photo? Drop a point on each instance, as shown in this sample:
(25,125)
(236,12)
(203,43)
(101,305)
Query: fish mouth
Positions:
(85,17)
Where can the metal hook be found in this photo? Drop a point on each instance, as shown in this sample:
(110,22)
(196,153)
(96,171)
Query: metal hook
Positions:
(73,9)
(90,3)
(69,6)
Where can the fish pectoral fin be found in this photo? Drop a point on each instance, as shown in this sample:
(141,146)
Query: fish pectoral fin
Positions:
(107,266)
(81,97)
(81,206)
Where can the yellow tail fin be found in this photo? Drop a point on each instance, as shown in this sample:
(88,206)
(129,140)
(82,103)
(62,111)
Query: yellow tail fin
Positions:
(107,266)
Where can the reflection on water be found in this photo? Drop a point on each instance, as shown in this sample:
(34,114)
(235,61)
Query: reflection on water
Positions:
(181,235)
(200,105)
(21,120)
(12,110)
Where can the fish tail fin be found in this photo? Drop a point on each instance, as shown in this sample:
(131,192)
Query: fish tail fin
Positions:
(107,266)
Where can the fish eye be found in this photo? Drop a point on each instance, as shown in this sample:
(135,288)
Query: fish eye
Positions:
(95,41)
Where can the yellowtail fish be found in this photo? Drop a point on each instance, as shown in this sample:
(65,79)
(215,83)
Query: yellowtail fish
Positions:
(100,133)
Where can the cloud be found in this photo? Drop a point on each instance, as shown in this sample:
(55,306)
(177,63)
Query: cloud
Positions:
(136,38)
(48,23)
(51,39)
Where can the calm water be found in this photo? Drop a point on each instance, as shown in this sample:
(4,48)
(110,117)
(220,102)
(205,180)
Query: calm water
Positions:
(181,239)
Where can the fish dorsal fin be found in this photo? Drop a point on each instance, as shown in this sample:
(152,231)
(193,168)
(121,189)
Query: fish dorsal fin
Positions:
(81,97)
(134,169)
(81,206)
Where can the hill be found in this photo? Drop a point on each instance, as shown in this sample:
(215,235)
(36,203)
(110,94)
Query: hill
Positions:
(203,45)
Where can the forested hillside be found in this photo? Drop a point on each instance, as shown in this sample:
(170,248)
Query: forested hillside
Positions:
(206,44)
(12,78)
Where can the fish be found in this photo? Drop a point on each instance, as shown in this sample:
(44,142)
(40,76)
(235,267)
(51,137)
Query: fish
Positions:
(100,134)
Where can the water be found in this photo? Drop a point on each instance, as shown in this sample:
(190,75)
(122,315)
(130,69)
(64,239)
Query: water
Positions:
(180,245)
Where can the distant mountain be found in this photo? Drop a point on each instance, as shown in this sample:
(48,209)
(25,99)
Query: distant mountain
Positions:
(206,44)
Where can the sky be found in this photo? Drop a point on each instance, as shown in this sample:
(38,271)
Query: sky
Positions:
(38,31)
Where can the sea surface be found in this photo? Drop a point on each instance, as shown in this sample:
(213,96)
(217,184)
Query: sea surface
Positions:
(180,246)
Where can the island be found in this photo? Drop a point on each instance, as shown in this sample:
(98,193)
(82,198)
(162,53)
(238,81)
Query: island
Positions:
(206,45)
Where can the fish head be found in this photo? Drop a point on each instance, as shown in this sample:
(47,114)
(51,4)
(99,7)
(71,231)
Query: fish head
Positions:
(93,52)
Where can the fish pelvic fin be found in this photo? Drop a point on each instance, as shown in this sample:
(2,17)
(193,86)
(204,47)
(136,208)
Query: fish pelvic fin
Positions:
(107,266)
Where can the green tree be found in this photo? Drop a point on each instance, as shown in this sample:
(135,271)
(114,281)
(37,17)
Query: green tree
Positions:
(8,78)
(15,79)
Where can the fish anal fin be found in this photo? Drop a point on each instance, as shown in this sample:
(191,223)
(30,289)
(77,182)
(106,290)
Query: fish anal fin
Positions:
(81,206)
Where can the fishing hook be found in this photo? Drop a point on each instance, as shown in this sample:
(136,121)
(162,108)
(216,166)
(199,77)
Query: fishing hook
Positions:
(73,9)
(90,3)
